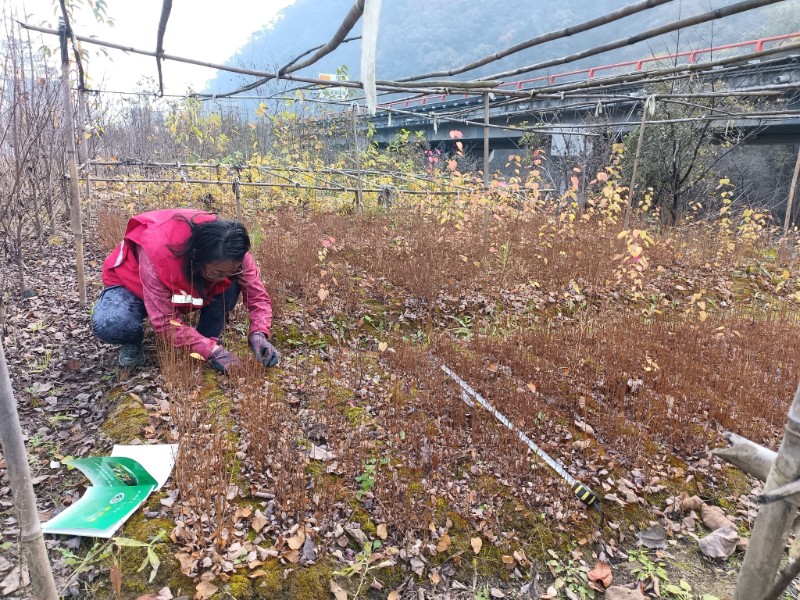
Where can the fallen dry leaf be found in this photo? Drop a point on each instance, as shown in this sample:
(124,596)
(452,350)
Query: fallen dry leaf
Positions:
(477,544)
(720,543)
(186,561)
(116,580)
(654,537)
(337,591)
(714,517)
(693,503)
(601,573)
(581,444)
(393,595)
(165,594)
(382,532)
(205,589)
(259,521)
(318,453)
(584,427)
(435,577)
(296,541)
(616,592)
(496,593)
(444,543)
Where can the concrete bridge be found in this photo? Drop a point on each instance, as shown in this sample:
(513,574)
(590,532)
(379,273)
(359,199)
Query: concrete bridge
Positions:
(568,119)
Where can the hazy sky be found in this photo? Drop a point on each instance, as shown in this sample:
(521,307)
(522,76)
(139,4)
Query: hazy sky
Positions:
(206,30)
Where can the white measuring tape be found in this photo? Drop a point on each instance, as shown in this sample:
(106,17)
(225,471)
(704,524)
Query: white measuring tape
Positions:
(584,494)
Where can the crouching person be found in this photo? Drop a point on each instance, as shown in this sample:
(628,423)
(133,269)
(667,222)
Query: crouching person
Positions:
(169,263)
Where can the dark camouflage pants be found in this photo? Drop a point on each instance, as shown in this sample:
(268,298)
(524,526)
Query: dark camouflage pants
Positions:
(119,314)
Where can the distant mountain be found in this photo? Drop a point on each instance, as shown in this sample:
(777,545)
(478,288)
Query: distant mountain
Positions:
(418,36)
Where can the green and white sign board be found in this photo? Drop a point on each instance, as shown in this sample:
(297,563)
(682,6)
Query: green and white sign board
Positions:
(120,485)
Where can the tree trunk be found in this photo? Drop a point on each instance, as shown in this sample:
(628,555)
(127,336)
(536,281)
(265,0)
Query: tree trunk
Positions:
(765,550)
(72,152)
(31,538)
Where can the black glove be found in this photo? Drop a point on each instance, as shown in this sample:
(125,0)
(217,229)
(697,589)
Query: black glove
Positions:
(264,351)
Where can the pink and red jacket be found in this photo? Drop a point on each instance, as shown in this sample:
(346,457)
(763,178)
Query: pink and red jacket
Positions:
(145,264)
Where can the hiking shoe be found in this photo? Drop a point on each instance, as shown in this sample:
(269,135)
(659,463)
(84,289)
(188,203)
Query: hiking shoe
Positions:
(131,356)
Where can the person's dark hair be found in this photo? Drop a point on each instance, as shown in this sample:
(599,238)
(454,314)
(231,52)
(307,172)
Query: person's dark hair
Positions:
(208,242)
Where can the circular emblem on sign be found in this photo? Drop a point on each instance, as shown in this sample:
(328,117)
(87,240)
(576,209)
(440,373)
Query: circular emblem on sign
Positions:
(117,498)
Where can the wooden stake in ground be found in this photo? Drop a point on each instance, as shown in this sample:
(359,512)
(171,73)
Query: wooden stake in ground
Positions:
(765,550)
(83,118)
(636,159)
(237,192)
(19,476)
(790,200)
(72,153)
(357,150)
(485,169)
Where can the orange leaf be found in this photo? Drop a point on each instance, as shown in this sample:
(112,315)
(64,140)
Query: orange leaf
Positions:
(601,573)
(575,182)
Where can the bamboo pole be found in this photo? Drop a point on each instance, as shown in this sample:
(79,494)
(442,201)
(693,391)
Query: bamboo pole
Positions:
(166,9)
(705,17)
(347,24)
(639,145)
(19,476)
(453,85)
(545,37)
(790,201)
(752,458)
(72,152)
(774,520)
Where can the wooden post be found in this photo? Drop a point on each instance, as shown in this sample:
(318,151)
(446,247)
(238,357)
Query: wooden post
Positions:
(790,201)
(237,191)
(359,193)
(486,170)
(72,152)
(636,159)
(19,476)
(83,146)
(765,550)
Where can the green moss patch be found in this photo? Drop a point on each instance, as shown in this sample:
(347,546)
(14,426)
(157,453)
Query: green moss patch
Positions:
(126,420)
